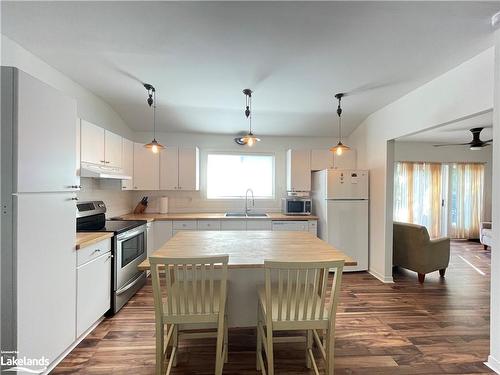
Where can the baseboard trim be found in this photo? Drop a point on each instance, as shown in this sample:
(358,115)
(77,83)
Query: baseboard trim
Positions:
(71,347)
(379,276)
(493,364)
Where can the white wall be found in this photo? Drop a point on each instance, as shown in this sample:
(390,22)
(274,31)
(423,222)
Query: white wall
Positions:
(494,358)
(461,92)
(187,201)
(89,107)
(424,151)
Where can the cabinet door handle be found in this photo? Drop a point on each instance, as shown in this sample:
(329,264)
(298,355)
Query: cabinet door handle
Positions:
(75,186)
(107,162)
(102,161)
(73,199)
(97,250)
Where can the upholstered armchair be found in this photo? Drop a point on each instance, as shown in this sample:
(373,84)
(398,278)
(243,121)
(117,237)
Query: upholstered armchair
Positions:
(414,250)
(486,235)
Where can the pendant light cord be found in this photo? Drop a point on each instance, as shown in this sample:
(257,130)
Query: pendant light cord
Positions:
(154,115)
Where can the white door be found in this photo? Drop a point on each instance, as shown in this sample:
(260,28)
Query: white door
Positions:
(146,168)
(92,143)
(298,170)
(347,184)
(188,168)
(93,292)
(45,138)
(348,230)
(46,273)
(321,159)
(112,149)
(169,168)
(128,163)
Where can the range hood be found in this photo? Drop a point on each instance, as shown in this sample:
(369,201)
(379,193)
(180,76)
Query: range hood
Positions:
(101,171)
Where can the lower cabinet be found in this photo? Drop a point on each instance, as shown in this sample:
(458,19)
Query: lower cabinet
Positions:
(295,226)
(162,233)
(93,291)
(233,225)
(259,225)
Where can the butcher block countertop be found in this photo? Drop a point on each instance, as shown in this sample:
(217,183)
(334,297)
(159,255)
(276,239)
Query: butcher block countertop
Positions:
(250,249)
(212,216)
(84,239)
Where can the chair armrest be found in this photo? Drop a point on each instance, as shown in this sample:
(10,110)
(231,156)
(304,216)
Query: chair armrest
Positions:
(438,241)
(486,225)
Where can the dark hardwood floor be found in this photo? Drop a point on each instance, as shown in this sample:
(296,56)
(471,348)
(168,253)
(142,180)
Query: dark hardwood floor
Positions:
(440,327)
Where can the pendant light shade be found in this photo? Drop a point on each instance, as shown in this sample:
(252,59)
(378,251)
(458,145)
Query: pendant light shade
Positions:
(154,145)
(250,139)
(340,148)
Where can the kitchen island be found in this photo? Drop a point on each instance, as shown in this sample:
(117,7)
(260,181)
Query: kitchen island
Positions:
(247,252)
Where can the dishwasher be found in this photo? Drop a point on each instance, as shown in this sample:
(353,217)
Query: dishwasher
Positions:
(292,226)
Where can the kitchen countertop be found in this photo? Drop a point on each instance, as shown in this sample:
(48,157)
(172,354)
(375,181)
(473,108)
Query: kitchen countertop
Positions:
(84,239)
(250,249)
(211,216)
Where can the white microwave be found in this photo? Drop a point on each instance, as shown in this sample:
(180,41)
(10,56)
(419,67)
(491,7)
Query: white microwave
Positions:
(296,206)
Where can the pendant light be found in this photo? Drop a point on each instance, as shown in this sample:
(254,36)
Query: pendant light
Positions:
(154,145)
(340,148)
(250,139)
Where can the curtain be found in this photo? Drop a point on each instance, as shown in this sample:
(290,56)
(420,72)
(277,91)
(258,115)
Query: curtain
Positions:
(466,182)
(418,195)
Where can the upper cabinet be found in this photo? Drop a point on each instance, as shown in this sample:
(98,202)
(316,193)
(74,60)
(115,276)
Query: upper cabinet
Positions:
(298,170)
(179,168)
(128,163)
(321,159)
(99,146)
(41,122)
(146,167)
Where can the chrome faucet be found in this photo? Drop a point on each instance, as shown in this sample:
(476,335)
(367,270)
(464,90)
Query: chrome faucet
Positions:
(246,201)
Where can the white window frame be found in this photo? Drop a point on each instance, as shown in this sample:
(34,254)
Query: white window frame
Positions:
(236,198)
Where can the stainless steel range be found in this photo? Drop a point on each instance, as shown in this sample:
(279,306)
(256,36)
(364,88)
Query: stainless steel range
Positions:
(129,249)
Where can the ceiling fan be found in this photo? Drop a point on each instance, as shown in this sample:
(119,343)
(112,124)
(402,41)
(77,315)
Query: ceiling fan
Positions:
(475,144)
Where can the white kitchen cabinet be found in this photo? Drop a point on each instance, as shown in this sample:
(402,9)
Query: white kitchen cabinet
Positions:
(128,163)
(179,169)
(233,225)
(189,169)
(78,151)
(259,224)
(93,291)
(321,159)
(112,149)
(162,233)
(169,168)
(208,224)
(92,143)
(178,225)
(44,130)
(146,166)
(99,146)
(298,170)
(92,252)
(46,274)
(347,160)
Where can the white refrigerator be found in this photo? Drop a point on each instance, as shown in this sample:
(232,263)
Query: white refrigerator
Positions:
(340,200)
(38,218)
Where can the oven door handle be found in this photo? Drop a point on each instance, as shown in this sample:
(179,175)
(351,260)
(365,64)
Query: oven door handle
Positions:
(130,284)
(130,234)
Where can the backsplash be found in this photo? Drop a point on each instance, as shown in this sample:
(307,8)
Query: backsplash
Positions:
(117,202)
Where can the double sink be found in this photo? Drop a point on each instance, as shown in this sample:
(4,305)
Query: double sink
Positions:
(243,214)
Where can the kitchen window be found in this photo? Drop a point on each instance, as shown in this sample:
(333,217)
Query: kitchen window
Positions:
(230,175)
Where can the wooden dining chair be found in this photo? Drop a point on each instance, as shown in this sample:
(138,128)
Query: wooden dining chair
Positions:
(294,298)
(189,291)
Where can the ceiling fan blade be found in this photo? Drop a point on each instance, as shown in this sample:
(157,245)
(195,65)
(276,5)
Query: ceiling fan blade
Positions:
(452,144)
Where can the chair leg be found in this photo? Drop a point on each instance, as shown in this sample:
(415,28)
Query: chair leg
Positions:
(330,349)
(226,344)
(160,354)
(270,351)
(421,278)
(259,340)
(309,344)
(442,272)
(219,360)
(175,343)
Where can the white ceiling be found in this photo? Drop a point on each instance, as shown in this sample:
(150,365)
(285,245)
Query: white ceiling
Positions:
(457,132)
(294,55)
